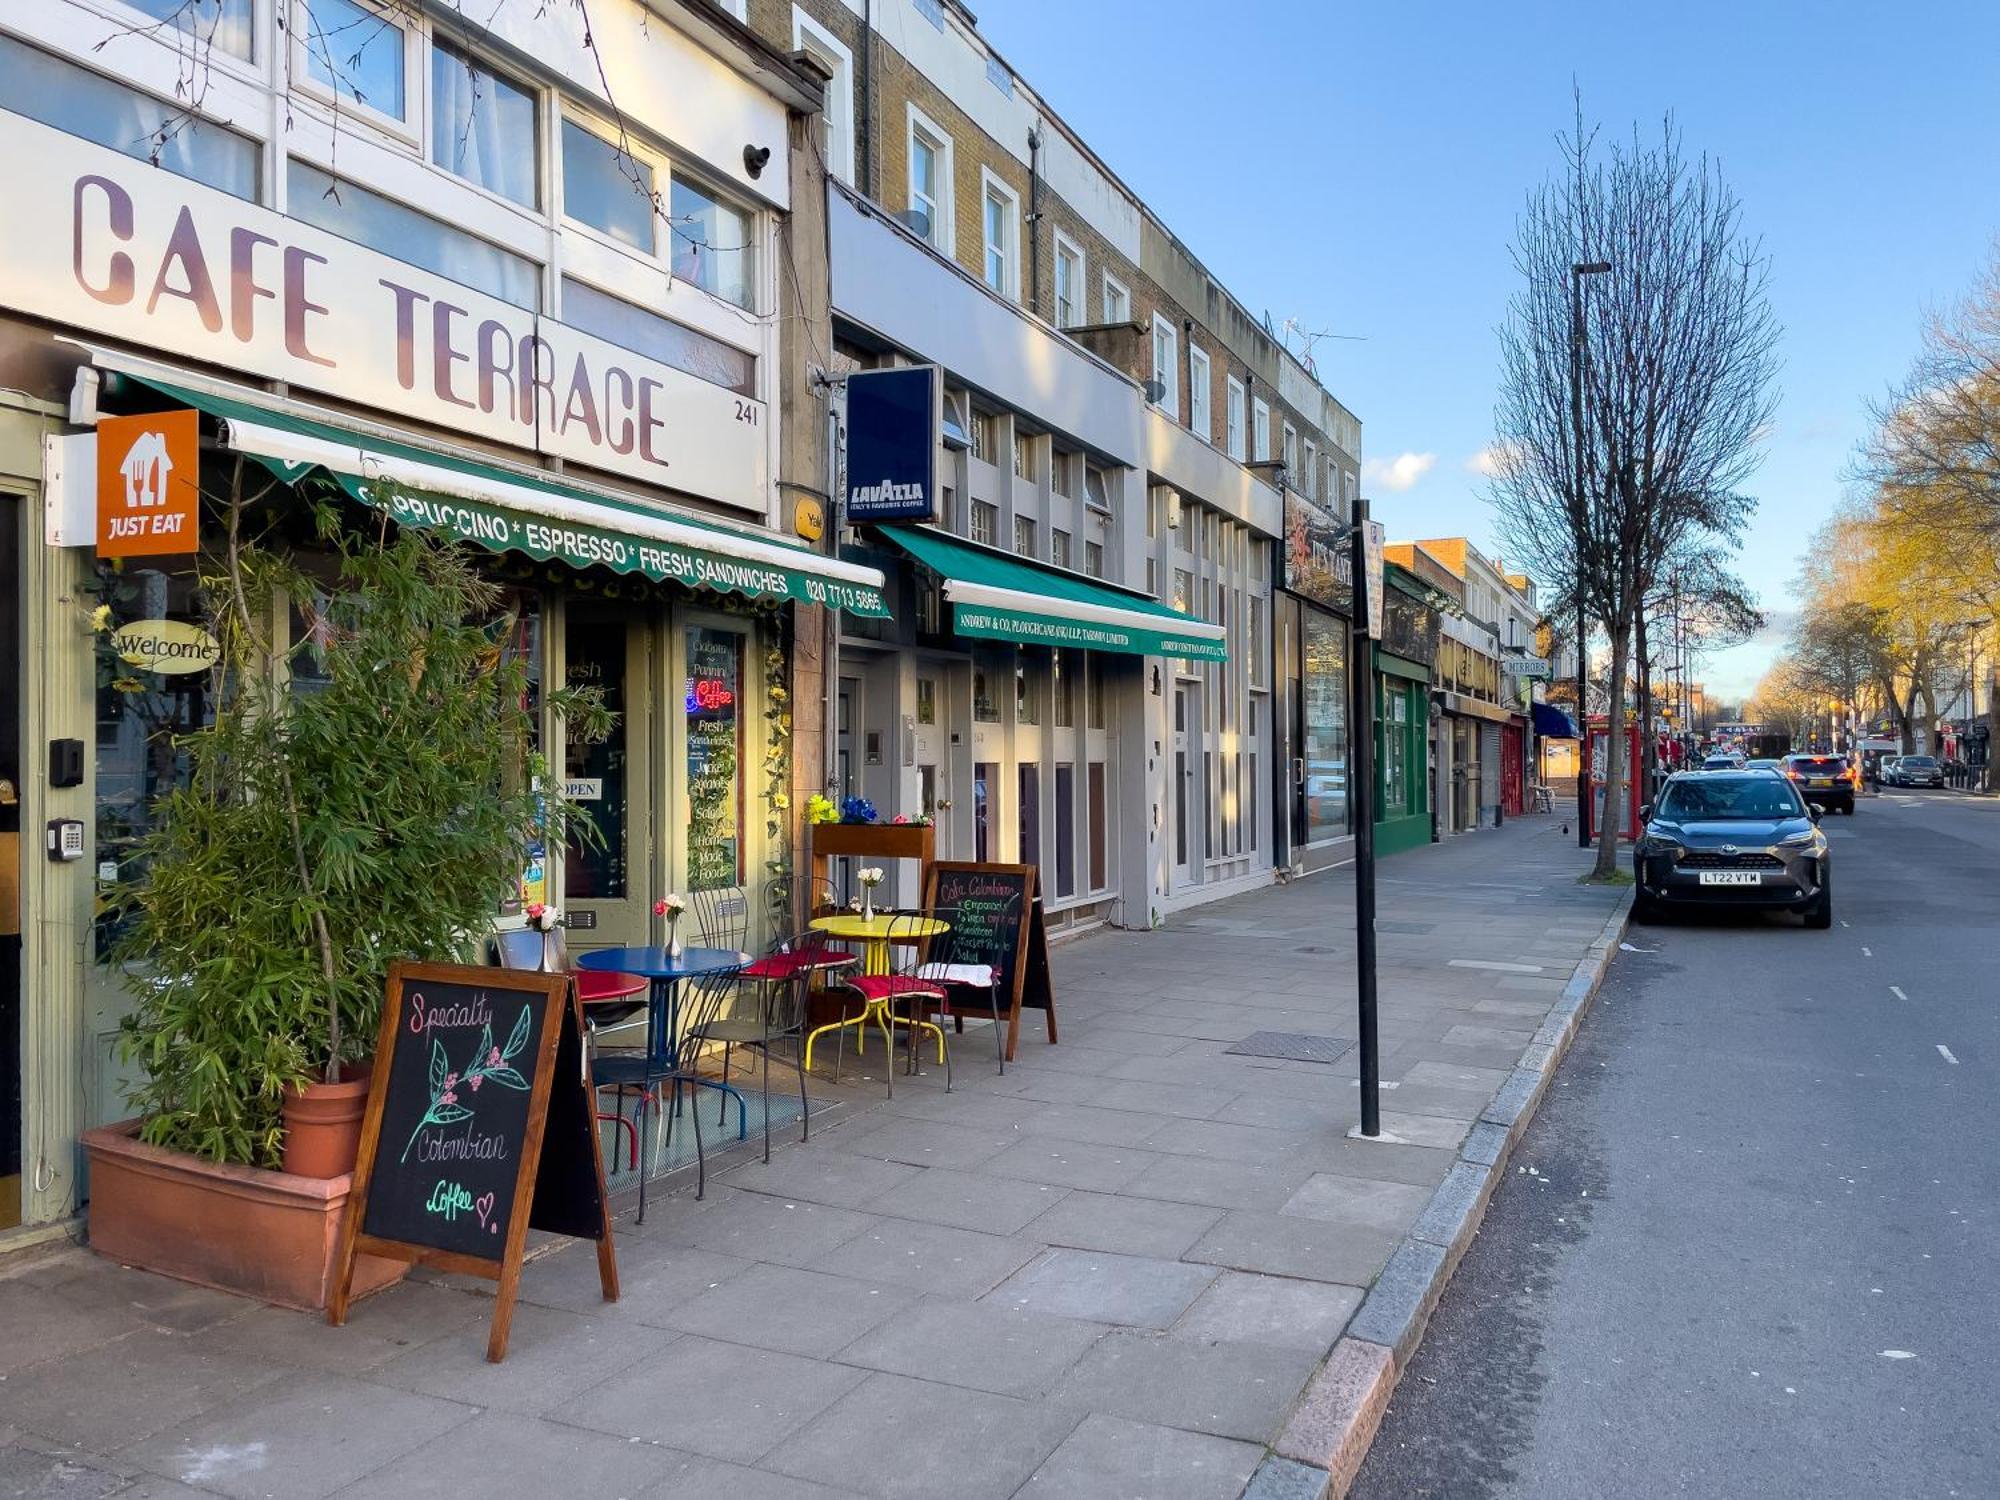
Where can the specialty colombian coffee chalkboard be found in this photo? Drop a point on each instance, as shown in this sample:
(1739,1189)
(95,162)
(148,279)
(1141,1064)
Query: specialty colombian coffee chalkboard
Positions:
(478,1127)
(996,919)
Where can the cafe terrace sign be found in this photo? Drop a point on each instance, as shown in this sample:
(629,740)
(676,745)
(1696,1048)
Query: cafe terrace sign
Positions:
(102,241)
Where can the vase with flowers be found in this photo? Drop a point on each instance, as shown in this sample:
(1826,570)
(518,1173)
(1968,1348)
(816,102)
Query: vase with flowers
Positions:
(546,920)
(671,907)
(870,876)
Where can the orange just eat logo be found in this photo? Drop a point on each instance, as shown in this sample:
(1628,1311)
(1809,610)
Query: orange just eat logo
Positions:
(148,484)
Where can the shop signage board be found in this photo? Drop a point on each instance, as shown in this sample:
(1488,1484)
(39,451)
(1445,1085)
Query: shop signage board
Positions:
(148,484)
(1318,563)
(989,622)
(1522,665)
(997,919)
(169,647)
(480,1126)
(893,419)
(1374,537)
(110,243)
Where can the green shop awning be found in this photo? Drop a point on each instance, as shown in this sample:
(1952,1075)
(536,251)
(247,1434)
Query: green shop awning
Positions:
(506,510)
(998,597)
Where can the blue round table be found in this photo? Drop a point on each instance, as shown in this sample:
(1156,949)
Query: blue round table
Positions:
(664,972)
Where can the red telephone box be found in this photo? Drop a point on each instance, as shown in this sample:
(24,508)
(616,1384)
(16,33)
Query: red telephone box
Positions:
(1597,746)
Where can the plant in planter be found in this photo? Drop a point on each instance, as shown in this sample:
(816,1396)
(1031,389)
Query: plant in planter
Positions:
(372,812)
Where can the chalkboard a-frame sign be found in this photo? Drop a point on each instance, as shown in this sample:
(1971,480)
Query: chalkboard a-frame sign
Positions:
(997,919)
(480,1126)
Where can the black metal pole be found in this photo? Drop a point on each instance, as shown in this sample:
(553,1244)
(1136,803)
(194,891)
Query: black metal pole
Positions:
(1361,679)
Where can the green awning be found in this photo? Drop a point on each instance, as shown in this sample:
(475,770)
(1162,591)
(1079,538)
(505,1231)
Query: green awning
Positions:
(999,597)
(505,510)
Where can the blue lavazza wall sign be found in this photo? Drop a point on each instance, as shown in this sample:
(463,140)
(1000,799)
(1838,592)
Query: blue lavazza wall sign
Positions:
(892,444)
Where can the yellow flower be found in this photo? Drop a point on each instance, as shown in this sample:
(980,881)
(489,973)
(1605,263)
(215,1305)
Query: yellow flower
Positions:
(100,617)
(780,801)
(777,695)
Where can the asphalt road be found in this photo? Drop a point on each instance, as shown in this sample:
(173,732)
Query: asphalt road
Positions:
(1751,1244)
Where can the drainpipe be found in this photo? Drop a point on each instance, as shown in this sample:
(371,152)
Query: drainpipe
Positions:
(1035,222)
(867,110)
(1187,367)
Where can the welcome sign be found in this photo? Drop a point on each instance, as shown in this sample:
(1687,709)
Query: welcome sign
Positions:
(109,243)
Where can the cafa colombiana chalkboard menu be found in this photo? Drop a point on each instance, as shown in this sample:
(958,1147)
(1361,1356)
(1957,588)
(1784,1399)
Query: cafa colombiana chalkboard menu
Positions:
(479,1127)
(996,919)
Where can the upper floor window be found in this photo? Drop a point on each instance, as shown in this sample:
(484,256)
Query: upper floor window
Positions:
(982,436)
(1309,471)
(359,54)
(985,522)
(1290,452)
(1002,221)
(930,181)
(72,99)
(1096,491)
(1026,446)
(1166,359)
(226,25)
(1234,418)
(837,112)
(1200,420)
(1024,535)
(1093,559)
(714,243)
(1260,430)
(483,126)
(1117,301)
(609,187)
(1059,548)
(1069,284)
(932,11)
(643,331)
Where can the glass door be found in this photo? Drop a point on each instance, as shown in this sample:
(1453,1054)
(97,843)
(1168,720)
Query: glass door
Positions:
(10,863)
(1183,790)
(607,879)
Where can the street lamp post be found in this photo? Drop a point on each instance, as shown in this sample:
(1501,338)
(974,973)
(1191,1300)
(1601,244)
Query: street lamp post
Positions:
(1577,272)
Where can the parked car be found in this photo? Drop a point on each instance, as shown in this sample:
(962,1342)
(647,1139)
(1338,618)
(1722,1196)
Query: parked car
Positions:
(1919,770)
(1885,770)
(1823,780)
(1765,765)
(1732,838)
(1723,763)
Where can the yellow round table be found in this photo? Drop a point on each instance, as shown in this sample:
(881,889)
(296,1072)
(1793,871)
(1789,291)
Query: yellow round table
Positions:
(875,934)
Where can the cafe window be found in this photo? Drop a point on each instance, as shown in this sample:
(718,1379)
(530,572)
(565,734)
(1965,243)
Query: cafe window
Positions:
(927,700)
(82,103)
(630,326)
(597,773)
(714,243)
(358,54)
(713,707)
(352,212)
(608,187)
(142,717)
(483,126)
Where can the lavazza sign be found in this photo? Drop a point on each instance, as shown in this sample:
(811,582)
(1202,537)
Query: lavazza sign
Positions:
(104,242)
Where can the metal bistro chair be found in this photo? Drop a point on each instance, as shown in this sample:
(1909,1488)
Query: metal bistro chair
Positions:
(902,987)
(668,1063)
(609,1000)
(721,916)
(952,961)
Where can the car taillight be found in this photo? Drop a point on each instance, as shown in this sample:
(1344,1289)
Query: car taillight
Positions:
(1796,775)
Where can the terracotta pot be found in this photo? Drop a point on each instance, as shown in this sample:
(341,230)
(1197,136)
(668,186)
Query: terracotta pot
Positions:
(269,1235)
(323,1124)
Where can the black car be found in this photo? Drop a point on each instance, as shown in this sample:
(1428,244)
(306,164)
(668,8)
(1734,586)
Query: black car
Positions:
(1823,780)
(1732,838)
(1919,770)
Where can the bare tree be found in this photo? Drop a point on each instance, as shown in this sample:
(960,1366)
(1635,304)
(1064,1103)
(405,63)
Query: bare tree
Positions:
(1704,607)
(1676,350)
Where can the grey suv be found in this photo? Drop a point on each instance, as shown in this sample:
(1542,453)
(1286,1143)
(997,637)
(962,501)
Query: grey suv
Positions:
(1732,838)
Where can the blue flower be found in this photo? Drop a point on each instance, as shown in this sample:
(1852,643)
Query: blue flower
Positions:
(857,810)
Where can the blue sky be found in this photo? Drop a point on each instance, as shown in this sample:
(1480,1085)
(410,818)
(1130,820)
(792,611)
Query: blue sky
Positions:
(1359,167)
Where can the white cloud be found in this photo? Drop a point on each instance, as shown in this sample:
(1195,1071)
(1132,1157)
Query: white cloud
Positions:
(1399,473)
(1486,462)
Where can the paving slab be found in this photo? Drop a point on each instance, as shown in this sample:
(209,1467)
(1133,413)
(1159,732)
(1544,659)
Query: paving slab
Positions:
(966,1200)
(1249,1308)
(798,1312)
(1234,1390)
(1098,1287)
(124,1391)
(1110,1458)
(516,1455)
(551,1356)
(1123,1224)
(987,1346)
(1282,1245)
(1373,1204)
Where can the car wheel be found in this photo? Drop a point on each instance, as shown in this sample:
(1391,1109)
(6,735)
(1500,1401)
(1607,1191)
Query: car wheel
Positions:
(1645,910)
(1847,808)
(1820,914)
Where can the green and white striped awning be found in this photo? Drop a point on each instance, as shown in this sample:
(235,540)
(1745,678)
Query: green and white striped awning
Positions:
(506,510)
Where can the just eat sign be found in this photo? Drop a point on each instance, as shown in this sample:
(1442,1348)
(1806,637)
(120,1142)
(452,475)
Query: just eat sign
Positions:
(148,484)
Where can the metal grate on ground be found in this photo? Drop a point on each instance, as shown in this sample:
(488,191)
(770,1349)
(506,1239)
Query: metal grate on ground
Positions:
(1296,1046)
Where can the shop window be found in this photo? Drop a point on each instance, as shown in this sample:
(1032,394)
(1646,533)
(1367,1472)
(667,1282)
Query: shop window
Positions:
(630,326)
(1324,695)
(714,708)
(608,187)
(1065,830)
(985,786)
(985,522)
(714,243)
(1027,702)
(359,54)
(483,126)
(598,772)
(368,218)
(1099,831)
(1395,751)
(985,707)
(82,103)
(1250,802)
(927,700)
(1030,781)
(1093,696)
(141,717)
(226,25)
(1063,667)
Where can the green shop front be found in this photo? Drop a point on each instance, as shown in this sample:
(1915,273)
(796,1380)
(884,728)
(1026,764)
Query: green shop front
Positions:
(1405,659)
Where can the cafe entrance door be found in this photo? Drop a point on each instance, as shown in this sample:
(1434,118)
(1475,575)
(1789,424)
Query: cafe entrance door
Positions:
(10,862)
(607,879)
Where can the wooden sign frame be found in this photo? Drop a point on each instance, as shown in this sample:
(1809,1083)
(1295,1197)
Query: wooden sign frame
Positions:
(563,1016)
(1031,947)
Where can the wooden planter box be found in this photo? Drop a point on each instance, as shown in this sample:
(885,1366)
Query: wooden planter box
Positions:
(268,1235)
(872,841)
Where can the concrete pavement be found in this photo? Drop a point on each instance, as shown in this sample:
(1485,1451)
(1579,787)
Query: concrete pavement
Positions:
(1112,1271)
(1749,1249)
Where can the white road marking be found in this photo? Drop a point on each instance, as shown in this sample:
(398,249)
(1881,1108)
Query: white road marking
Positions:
(1945,1053)
(1843,924)
(1867,952)
(1899,1354)
(1897,991)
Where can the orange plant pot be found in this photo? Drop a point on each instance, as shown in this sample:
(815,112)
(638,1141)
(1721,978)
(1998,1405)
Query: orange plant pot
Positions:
(323,1124)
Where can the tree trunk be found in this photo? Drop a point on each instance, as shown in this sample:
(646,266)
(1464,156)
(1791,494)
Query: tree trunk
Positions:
(1614,755)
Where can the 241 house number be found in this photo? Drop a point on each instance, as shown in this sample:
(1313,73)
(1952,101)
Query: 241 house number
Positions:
(745,412)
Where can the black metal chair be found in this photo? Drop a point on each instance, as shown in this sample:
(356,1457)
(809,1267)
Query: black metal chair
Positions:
(780,984)
(952,961)
(721,916)
(896,998)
